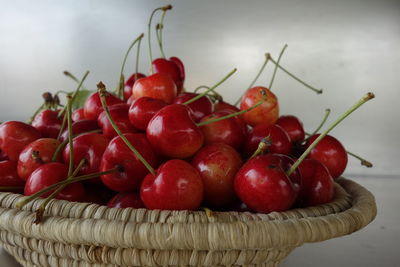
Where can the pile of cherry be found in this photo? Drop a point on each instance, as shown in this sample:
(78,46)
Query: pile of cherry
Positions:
(153,145)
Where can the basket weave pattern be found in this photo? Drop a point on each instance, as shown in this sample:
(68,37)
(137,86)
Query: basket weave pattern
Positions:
(80,234)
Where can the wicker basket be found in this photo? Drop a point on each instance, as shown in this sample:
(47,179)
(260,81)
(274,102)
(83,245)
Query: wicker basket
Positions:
(80,234)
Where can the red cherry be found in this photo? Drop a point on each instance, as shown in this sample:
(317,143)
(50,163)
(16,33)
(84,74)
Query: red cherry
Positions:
(330,152)
(3,156)
(78,114)
(142,110)
(158,86)
(180,66)
(35,154)
(230,131)
(120,115)
(126,200)
(9,175)
(173,132)
(89,146)
(48,123)
(129,84)
(280,141)
(49,174)
(218,164)
(133,171)
(170,68)
(79,127)
(263,187)
(93,107)
(221,105)
(14,136)
(199,108)
(266,113)
(317,184)
(293,127)
(176,186)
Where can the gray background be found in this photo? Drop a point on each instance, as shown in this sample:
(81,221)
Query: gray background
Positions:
(346,47)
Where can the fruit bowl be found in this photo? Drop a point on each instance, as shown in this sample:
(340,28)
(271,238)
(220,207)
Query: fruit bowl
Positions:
(81,234)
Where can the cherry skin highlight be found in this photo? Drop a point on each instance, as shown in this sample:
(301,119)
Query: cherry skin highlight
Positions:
(92,107)
(129,84)
(292,126)
(142,110)
(199,108)
(158,86)
(119,113)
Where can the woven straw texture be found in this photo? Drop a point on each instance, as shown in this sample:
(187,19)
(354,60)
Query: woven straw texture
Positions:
(80,234)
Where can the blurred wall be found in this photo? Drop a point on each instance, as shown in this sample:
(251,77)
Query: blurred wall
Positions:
(346,47)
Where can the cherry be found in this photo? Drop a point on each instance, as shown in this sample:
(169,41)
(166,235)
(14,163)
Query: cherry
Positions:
(276,136)
(158,86)
(293,127)
(3,156)
(93,108)
(317,184)
(142,110)
(126,200)
(267,113)
(221,105)
(264,187)
(35,154)
(49,174)
(88,146)
(9,177)
(78,114)
(200,108)
(129,84)
(48,123)
(14,136)
(230,131)
(330,152)
(133,171)
(173,132)
(218,163)
(79,127)
(181,68)
(177,185)
(120,115)
(170,68)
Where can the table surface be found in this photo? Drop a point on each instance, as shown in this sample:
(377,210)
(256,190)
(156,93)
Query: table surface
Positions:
(375,245)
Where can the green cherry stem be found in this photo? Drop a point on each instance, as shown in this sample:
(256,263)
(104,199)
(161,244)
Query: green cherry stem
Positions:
(359,103)
(67,181)
(137,58)
(159,31)
(263,146)
(71,145)
(327,112)
(73,77)
(102,93)
(267,58)
(363,161)
(210,89)
(318,91)
(276,66)
(149,32)
(121,74)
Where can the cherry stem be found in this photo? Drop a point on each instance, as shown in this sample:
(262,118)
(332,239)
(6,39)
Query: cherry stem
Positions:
(159,30)
(201,87)
(70,75)
(327,112)
(102,93)
(71,145)
(210,89)
(234,114)
(263,146)
(67,181)
(208,211)
(65,142)
(318,91)
(359,103)
(121,75)
(276,66)
(42,207)
(149,32)
(363,161)
(137,58)
(11,188)
(267,58)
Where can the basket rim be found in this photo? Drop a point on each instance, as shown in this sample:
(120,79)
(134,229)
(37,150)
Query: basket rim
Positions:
(278,229)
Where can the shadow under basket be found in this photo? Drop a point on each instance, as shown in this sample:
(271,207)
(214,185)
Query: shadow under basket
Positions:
(81,234)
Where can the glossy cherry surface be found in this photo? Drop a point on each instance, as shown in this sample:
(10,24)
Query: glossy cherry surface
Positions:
(331,153)
(176,186)
(78,114)
(14,136)
(142,110)
(292,126)
(126,200)
(119,155)
(93,107)
(218,164)
(48,123)
(172,68)
(173,132)
(129,84)
(158,85)
(35,154)
(199,108)
(79,127)
(266,113)
(119,113)
(221,105)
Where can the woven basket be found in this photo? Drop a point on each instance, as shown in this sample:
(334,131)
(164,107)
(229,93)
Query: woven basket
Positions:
(80,234)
